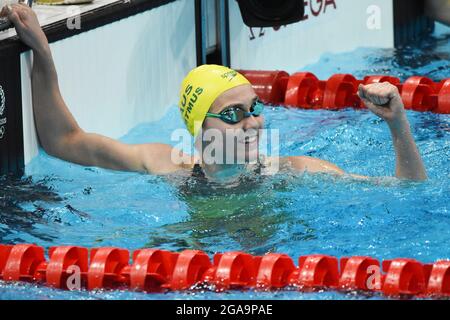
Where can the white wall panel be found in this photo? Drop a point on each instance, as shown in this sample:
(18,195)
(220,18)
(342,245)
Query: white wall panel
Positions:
(338,27)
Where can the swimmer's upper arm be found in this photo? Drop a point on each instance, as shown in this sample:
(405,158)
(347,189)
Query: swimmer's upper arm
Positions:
(162,158)
(311,164)
(92,149)
(315,165)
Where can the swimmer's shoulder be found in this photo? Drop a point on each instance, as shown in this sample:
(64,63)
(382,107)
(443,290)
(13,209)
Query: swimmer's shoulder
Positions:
(161,159)
(307,164)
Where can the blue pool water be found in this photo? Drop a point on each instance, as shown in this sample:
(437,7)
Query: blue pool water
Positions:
(62,203)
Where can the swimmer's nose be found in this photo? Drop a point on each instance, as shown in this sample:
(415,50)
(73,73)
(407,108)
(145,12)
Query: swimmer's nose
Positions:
(250,123)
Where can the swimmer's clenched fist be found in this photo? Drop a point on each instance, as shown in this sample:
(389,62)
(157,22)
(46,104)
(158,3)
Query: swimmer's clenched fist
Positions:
(384,100)
(27,25)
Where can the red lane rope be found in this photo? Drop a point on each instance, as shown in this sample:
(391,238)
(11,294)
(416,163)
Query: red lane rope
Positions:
(305,90)
(154,270)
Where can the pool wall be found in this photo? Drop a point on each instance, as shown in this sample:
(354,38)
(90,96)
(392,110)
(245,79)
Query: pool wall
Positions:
(328,26)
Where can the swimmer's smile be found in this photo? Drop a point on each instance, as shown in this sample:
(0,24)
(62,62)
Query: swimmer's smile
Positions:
(250,142)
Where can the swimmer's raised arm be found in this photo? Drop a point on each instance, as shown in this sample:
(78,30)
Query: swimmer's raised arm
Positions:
(384,100)
(58,131)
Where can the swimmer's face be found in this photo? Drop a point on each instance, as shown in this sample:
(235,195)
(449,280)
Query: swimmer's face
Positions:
(246,131)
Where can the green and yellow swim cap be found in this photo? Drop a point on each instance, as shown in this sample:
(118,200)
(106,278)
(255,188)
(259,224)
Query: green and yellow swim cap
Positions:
(200,89)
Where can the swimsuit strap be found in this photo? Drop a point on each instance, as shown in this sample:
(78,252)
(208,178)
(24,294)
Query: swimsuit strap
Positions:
(197,171)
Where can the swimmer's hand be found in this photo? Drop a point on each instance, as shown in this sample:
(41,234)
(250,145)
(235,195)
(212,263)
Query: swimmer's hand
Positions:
(384,100)
(27,25)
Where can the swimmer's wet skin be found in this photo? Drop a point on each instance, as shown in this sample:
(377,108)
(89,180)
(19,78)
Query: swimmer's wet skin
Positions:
(217,89)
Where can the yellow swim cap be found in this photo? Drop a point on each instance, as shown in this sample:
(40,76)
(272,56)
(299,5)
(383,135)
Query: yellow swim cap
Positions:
(200,89)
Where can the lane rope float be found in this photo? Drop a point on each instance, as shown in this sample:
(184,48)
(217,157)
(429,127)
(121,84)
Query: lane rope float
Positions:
(305,90)
(155,270)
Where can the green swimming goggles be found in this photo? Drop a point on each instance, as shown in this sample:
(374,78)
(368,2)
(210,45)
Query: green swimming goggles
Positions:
(236,114)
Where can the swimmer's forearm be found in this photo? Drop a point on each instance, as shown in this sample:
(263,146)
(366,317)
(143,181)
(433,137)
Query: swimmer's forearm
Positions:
(54,122)
(43,66)
(409,164)
(384,100)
